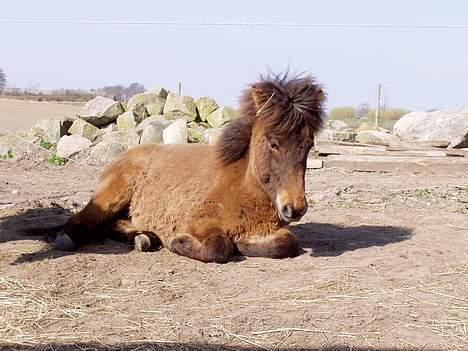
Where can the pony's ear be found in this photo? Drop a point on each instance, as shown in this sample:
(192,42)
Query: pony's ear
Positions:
(320,96)
(260,94)
(256,96)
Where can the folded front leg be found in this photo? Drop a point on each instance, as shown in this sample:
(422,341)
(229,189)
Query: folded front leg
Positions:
(279,244)
(210,246)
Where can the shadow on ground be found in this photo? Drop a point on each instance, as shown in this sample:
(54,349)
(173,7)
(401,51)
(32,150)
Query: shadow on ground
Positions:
(332,240)
(322,238)
(41,224)
(187,347)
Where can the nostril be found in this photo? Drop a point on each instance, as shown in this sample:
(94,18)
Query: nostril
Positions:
(303,210)
(287,210)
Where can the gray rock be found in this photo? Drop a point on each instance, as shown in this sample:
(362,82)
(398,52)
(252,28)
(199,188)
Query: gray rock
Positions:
(104,152)
(205,105)
(176,132)
(150,120)
(112,144)
(153,103)
(140,111)
(374,137)
(100,111)
(330,135)
(181,104)
(82,128)
(151,129)
(70,145)
(127,138)
(222,115)
(443,126)
(161,92)
(128,121)
(211,135)
(337,124)
(20,144)
(51,130)
(153,133)
(112,127)
(195,132)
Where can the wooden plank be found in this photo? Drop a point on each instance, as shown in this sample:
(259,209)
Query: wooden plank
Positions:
(314,163)
(367,163)
(327,150)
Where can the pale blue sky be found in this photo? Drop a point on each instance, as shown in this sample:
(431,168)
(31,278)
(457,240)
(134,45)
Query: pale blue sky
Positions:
(419,69)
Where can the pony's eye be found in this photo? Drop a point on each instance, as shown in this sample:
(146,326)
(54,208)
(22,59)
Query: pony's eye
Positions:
(274,146)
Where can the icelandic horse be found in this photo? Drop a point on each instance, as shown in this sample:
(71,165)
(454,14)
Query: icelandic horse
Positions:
(208,202)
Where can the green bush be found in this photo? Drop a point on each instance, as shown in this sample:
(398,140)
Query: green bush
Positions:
(57,160)
(8,156)
(45,144)
(342,113)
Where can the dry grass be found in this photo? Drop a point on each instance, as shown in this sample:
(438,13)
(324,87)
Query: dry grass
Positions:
(20,116)
(29,312)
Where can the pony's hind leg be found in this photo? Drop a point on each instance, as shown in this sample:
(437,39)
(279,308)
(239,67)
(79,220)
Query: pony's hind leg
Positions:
(113,195)
(124,230)
(212,246)
(279,244)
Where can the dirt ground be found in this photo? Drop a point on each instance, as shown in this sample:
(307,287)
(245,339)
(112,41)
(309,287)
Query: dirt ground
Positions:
(385,268)
(21,115)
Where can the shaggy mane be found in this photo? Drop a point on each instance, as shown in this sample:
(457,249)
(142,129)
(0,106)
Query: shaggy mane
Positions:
(284,105)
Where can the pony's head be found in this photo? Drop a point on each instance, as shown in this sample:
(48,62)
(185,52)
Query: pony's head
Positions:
(279,117)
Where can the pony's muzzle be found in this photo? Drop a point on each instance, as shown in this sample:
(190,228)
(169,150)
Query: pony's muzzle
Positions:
(289,213)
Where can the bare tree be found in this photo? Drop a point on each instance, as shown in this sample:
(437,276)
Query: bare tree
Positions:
(135,88)
(3,80)
(122,93)
(362,109)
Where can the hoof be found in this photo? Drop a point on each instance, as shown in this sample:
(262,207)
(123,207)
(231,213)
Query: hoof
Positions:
(64,242)
(142,242)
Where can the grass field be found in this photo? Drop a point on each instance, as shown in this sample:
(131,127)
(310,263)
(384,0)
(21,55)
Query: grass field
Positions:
(19,115)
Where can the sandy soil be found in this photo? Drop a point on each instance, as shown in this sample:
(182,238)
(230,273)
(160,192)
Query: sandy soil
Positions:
(385,268)
(20,115)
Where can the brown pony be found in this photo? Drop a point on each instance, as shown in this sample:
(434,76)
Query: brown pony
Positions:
(203,201)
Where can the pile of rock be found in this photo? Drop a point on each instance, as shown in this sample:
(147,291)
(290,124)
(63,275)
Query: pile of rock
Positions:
(104,128)
(443,128)
(336,130)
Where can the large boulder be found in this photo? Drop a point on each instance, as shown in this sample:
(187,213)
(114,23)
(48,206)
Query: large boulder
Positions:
(51,130)
(331,135)
(150,120)
(205,105)
(151,129)
(449,127)
(84,129)
(20,144)
(100,111)
(128,120)
(222,115)
(112,144)
(151,101)
(176,132)
(182,104)
(104,152)
(161,92)
(127,138)
(195,132)
(139,110)
(375,137)
(70,145)
(211,135)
